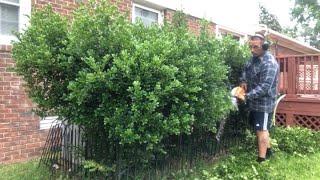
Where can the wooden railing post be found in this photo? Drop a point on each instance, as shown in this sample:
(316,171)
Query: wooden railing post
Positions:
(292,78)
(289,119)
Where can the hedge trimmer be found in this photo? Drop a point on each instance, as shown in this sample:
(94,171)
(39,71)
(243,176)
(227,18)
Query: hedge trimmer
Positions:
(236,93)
(239,92)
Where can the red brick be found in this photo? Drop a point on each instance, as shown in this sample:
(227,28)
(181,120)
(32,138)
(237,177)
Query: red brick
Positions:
(10,135)
(24,142)
(27,151)
(10,144)
(4,84)
(34,154)
(33,145)
(4,130)
(19,147)
(11,115)
(7,158)
(4,55)
(11,78)
(8,105)
(18,83)
(10,153)
(5,111)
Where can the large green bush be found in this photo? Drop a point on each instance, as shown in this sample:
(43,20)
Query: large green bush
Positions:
(143,84)
(235,56)
(297,140)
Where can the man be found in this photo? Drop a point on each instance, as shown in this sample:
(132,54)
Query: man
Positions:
(260,80)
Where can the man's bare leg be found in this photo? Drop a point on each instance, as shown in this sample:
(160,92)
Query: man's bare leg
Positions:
(269,143)
(263,143)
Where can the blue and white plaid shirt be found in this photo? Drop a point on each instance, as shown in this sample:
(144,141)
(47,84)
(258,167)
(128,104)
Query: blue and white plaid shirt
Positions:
(261,76)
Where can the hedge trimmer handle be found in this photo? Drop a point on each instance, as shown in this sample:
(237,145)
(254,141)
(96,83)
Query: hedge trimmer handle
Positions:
(275,109)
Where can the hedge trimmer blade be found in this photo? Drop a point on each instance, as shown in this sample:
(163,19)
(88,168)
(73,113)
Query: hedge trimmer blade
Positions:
(220,130)
(234,100)
(234,93)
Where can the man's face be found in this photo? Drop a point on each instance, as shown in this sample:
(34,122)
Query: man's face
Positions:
(255,46)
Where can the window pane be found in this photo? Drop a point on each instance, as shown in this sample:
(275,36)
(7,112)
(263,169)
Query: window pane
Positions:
(147,17)
(13,1)
(9,19)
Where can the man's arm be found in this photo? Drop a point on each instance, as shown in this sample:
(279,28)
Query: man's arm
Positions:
(268,74)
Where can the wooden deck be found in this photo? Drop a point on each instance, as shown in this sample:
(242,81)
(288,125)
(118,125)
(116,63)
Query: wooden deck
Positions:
(300,81)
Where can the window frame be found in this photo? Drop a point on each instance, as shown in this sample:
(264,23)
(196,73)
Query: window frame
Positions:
(48,122)
(160,13)
(23,19)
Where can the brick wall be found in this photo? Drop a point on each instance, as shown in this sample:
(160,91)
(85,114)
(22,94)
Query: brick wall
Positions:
(194,23)
(66,7)
(124,6)
(20,137)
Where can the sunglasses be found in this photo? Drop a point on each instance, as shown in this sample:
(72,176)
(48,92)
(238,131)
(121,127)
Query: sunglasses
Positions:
(255,47)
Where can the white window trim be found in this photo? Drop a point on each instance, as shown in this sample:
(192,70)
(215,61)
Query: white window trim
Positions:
(160,13)
(24,12)
(49,121)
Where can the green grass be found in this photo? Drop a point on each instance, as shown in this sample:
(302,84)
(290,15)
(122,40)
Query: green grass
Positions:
(295,167)
(24,171)
(243,166)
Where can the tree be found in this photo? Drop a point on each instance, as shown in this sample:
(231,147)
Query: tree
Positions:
(291,32)
(307,15)
(269,19)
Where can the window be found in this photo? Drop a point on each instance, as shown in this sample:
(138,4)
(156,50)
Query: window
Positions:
(49,121)
(148,16)
(224,34)
(13,18)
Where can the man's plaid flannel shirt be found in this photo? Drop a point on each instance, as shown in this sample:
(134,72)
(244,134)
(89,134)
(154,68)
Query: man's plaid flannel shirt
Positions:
(261,76)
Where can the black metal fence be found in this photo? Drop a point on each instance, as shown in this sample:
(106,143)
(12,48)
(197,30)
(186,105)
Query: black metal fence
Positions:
(69,148)
(64,147)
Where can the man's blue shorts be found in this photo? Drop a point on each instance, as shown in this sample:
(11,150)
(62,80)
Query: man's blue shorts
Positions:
(261,121)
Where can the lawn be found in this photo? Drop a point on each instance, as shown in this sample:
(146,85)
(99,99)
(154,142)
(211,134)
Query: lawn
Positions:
(297,157)
(27,170)
(281,166)
(298,167)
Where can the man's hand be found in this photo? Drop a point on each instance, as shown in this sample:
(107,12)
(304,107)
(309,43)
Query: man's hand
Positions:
(240,93)
(244,86)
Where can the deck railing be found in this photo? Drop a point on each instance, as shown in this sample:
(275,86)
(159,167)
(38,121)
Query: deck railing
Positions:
(299,74)
(300,81)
